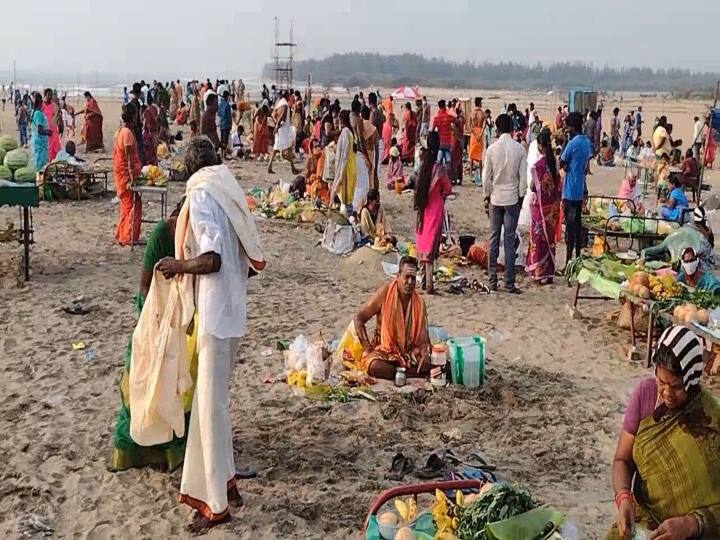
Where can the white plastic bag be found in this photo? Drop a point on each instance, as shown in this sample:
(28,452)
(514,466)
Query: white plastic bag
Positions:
(338,239)
(316,366)
(296,355)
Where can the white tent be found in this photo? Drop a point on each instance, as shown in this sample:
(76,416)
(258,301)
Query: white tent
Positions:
(405,92)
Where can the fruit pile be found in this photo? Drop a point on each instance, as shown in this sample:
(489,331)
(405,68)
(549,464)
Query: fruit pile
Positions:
(154,176)
(665,287)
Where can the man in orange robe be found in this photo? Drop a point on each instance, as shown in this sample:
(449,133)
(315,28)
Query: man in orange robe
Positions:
(401,332)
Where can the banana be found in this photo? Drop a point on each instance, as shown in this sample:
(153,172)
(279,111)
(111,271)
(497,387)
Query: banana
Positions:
(459,498)
(402,509)
(412,508)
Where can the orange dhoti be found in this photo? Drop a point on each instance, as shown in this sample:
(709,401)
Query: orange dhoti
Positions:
(476,148)
(128,228)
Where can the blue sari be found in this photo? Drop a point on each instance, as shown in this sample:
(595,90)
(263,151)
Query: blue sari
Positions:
(39,142)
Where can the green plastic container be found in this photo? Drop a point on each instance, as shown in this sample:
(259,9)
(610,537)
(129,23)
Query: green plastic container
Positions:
(467,360)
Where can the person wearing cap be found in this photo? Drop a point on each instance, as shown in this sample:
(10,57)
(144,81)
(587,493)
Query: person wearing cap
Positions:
(665,474)
(394,171)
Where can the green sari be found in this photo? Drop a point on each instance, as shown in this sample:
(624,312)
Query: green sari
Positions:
(678,466)
(127,454)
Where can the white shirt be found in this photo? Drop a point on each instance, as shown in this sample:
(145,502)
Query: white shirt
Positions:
(505,172)
(205,96)
(220,298)
(697,130)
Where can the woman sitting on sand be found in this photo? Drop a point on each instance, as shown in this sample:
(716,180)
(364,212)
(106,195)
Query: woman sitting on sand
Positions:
(666,475)
(126,453)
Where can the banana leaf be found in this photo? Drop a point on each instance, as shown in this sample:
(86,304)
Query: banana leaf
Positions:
(526,526)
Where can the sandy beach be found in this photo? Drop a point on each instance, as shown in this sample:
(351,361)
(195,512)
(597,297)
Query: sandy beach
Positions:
(547,416)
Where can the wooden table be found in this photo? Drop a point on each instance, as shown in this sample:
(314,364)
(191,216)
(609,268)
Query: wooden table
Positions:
(148,190)
(24,197)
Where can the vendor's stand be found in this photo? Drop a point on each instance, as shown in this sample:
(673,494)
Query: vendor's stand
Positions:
(75,178)
(24,197)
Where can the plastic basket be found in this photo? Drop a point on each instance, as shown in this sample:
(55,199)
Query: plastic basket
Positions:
(467,360)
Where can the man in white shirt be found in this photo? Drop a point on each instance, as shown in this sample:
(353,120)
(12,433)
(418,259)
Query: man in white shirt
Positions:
(218,243)
(504,185)
(697,137)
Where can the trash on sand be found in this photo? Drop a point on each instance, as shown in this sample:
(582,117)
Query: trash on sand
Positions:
(78,345)
(90,355)
(266,352)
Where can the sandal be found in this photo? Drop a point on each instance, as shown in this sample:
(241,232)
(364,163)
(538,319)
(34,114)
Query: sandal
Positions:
(434,468)
(401,465)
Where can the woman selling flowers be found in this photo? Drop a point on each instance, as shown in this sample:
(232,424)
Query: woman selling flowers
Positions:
(666,472)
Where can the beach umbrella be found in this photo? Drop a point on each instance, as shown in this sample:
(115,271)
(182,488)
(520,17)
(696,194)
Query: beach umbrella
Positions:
(405,92)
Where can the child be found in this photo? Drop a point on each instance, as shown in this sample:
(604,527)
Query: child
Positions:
(22,122)
(605,156)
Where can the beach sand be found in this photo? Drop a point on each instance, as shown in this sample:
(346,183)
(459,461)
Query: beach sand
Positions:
(547,416)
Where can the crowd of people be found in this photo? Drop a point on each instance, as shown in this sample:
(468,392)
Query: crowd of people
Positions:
(533,175)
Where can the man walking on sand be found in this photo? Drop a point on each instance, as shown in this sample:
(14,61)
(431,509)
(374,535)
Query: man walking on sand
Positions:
(504,186)
(218,246)
(284,133)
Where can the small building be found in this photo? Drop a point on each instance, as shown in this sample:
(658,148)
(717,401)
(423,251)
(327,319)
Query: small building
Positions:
(580,99)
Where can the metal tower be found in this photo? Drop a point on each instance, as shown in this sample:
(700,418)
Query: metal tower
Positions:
(283,59)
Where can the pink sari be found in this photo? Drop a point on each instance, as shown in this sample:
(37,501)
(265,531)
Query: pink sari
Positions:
(48,110)
(427,237)
(387,137)
(544,222)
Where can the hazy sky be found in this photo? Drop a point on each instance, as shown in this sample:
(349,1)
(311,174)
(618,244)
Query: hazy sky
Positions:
(190,37)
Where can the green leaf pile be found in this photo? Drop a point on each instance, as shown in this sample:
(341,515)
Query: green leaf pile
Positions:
(501,502)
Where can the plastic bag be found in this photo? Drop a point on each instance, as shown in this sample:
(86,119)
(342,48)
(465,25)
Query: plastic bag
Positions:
(349,349)
(338,239)
(296,355)
(317,370)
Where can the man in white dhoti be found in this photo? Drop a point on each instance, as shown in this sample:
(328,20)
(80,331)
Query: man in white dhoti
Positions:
(284,133)
(217,243)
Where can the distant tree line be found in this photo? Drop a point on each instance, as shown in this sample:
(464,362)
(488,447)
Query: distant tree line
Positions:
(368,69)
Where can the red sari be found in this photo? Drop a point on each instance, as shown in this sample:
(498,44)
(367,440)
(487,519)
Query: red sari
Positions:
(151,131)
(408,145)
(709,148)
(387,136)
(260,137)
(93,127)
(544,222)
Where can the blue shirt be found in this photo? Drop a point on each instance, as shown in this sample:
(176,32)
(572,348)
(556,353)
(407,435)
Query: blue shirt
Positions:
(681,201)
(225,114)
(576,155)
(707,282)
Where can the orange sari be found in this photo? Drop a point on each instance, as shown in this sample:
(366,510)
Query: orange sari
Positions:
(126,167)
(397,333)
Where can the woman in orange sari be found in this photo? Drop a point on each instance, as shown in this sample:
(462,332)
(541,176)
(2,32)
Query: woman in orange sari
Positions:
(151,131)
(709,147)
(260,133)
(92,131)
(408,145)
(127,167)
(50,110)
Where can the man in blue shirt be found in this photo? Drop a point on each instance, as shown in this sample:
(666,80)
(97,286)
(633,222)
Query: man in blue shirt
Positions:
(225,123)
(574,160)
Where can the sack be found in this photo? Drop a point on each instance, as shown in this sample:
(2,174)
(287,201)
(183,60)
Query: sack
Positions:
(296,355)
(338,239)
(641,318)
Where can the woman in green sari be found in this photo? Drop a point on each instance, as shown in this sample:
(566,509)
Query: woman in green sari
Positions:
(127,454)
(666,472)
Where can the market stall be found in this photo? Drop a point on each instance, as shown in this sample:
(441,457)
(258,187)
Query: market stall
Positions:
(24,197)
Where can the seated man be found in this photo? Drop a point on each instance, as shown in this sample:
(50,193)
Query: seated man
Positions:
(395,169)
(694,275)
(689,170)
(401,331)
(68,155)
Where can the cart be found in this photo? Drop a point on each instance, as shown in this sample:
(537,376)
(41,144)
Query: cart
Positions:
(25,198)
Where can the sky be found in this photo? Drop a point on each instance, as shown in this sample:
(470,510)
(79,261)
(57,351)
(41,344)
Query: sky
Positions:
(235,37)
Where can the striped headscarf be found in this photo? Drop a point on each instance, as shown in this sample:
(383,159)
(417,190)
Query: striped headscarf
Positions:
(699,215)
(686,347)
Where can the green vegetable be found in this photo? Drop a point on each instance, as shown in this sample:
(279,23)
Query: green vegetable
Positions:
(606,265)
(325,392)
(501,502)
